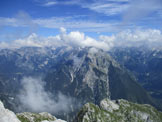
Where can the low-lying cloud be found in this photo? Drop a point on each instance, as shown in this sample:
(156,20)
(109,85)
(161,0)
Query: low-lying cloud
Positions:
(33,97)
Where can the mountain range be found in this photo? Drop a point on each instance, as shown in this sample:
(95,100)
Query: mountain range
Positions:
(81,75)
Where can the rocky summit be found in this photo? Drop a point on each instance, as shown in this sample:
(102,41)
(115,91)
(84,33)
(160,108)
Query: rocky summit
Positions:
(118,111)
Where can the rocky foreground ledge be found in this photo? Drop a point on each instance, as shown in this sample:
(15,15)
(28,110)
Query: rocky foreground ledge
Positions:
(9,116)
(108,111)
(118,111)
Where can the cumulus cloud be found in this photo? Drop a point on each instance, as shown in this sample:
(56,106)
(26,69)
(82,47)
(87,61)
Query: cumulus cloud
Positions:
(79,39)
(74,38)
(33,97)
(128,38)
(148,37)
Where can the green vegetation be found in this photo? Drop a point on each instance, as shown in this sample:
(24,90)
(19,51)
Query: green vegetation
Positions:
(125,112)
(33,117)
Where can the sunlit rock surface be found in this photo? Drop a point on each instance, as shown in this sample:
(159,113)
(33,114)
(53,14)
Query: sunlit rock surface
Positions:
(118,111)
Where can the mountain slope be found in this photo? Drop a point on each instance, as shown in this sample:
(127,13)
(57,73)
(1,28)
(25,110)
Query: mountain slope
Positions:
(146,64)
(124,85)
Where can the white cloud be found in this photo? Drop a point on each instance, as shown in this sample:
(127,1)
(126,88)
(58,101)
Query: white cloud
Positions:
(33,97)
(74,38)
(71,23)
(140,9)
(23,25)
(54,2)
(79,39)
(8,22)
(22,19)
(32,40)
(57,22)
(108,8)
(51,3)
(130,10)
(150,37)
(4,45)
(62,30)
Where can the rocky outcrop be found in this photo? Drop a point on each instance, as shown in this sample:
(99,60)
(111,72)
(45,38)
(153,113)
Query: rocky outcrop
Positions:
(118,111)
(34,117)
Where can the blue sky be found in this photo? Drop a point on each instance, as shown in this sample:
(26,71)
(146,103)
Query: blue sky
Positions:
(19,18)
